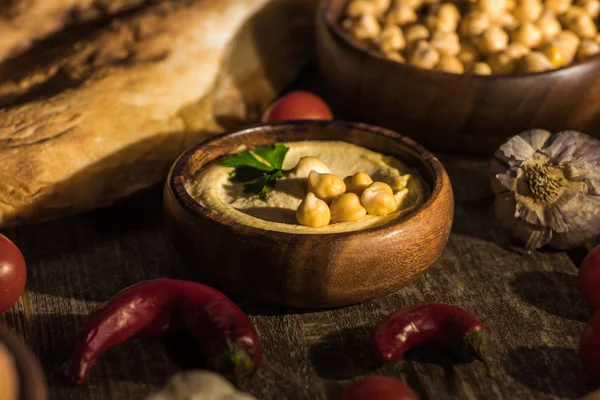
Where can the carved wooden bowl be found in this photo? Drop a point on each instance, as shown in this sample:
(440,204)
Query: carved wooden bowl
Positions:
(21,377)
(464,113)
(309,270)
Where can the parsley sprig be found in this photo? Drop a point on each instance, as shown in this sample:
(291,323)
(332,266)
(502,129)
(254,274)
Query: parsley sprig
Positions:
(257,175)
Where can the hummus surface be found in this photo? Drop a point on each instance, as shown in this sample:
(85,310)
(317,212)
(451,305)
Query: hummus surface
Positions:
(211,187)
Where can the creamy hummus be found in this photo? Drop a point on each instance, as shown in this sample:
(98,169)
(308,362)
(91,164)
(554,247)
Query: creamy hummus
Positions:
(212,188)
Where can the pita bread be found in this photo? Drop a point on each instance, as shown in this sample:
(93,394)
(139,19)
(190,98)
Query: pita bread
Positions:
(24,21)
(106,115)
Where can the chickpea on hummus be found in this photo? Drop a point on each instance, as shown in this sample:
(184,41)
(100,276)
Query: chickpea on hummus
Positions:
(326,187)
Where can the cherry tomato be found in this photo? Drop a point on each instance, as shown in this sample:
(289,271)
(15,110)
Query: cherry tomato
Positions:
(297,105)
(588,279)
(379,388)
(589,347)
(12,273)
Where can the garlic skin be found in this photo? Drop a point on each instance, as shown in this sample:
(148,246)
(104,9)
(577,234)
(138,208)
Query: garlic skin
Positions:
(547,188)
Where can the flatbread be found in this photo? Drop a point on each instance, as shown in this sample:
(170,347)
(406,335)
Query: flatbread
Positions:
(106,115)
(23,22)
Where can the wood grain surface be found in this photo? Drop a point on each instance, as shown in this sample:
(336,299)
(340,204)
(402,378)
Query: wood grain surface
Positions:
(529,302)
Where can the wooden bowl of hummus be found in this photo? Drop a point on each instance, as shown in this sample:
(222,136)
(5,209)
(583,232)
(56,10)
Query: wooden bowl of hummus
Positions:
(21,377)
(257,248)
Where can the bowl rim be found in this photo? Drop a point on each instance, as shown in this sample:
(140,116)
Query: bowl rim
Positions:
(334,26)
(175,181)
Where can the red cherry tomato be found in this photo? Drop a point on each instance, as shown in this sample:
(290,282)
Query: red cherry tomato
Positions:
(589,347)
(297,105)
(12,273)
(379,388)
(588,279)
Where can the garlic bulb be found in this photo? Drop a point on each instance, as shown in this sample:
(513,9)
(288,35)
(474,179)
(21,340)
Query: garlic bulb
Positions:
(547,188)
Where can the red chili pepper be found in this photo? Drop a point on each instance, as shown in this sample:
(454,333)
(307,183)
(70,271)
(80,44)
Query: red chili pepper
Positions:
(430,322)
(379,388)
(224,333)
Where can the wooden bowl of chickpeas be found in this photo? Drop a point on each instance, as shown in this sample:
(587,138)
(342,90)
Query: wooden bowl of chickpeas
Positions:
(357,212)
(462,75)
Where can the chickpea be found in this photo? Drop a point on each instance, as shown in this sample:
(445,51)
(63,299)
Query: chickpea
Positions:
(592,7)
(357,183)
(366,27)
(395,56)
(431,21)
(358,8)
(448,17)
(415,33)
(474,24)
(502,63)
(401,14)
(325,186)
(424,55)
(558,6)
(378,199)
(554,55)
(391,39)
(381,5)
(468,54)
(583,26)
(313,212)
(493,40)
(347,208)
(535,62)
(508,22)
(307,164)
(516,50)
(549,26)
(567,43)
(571,13)
(587,48)
(451,64)
(511,5)
(481,68)
(493,8)
(446,43)
(528,10)
(528,34)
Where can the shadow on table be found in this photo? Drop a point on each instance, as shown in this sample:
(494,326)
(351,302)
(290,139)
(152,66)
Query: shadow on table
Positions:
(92,256)
(553,292)
(52,337)
(552,370)
(343,355)
(80,232)
(346,355)
(438,355)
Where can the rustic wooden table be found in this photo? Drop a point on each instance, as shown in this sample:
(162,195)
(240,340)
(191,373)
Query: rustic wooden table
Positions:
(529,302)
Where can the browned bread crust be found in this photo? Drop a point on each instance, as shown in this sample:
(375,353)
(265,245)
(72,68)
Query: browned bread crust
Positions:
(22,22)
(88,121)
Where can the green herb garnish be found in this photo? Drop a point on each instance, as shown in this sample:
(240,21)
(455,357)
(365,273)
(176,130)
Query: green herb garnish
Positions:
(258,175)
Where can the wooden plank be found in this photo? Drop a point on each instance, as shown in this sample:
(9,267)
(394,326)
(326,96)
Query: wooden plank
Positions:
(530,303)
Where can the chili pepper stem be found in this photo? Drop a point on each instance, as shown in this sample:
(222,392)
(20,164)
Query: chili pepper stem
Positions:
(477,342)
(235,362)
